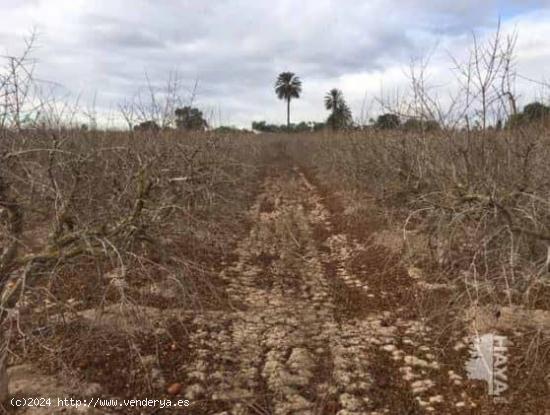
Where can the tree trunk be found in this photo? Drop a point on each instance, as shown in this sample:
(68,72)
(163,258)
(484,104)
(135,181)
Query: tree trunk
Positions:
(288,115)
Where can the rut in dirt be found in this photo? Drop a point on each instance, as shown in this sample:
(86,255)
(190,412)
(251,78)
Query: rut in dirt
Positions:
(289,347)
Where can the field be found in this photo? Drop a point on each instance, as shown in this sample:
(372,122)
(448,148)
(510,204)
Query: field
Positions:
(315,273)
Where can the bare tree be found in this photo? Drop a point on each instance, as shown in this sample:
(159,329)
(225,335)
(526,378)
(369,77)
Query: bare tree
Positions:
(487,78)
(158,104)
(16,86)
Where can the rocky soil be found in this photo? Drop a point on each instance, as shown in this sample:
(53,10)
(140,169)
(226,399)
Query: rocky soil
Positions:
(317,322)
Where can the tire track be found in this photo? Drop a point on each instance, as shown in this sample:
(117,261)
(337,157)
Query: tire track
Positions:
(287,348)
(285,334)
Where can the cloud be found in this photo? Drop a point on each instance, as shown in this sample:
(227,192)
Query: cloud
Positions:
(237,47)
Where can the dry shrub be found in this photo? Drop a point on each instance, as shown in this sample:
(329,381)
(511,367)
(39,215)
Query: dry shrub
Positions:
(479,199)
(113,218)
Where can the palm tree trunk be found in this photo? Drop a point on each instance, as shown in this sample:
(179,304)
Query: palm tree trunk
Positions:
(288,115)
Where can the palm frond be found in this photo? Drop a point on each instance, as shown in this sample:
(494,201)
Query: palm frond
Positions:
(288,86)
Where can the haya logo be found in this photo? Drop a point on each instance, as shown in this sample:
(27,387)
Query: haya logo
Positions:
(488,362)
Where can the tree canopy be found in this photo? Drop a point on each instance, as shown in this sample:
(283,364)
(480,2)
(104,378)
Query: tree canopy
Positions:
(387,121)
(340,116)
(533,112)
(287,86)
(190,118)
(147,126)
(293,128)
(415,124)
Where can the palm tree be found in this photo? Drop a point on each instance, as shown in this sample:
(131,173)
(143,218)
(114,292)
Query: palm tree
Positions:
(288,86)
(333,100)
(341,114)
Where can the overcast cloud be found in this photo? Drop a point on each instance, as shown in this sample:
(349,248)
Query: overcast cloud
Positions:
(237,47)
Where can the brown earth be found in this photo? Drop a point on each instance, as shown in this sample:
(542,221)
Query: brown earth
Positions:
(317,316)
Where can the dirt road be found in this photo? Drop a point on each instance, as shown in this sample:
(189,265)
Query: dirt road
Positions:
(308,336)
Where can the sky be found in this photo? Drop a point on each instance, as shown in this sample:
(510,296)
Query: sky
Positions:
(103,51)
